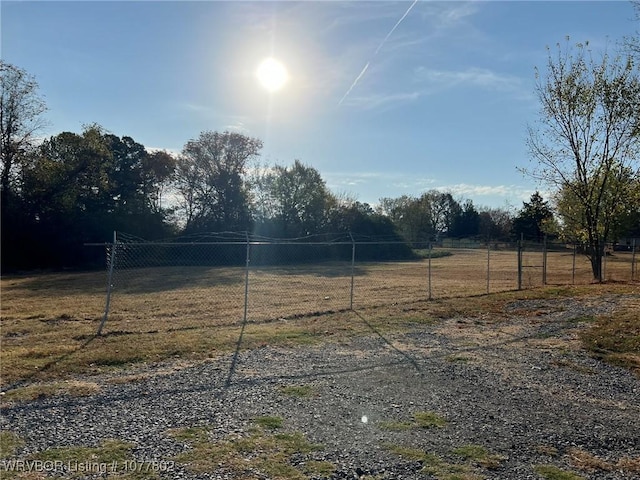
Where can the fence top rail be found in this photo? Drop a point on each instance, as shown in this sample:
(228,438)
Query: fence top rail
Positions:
(251,242)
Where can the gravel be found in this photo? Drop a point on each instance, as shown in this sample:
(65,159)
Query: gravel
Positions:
(520,387)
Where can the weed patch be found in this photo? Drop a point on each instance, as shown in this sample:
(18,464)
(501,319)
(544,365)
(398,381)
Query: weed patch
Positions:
(435,465)
(429,420)
(615,339)
(551,472)
(420,420)
(272,423)
(297,391)
(479,455)
(9,444)
(262,450)
(111,458)
(72,388)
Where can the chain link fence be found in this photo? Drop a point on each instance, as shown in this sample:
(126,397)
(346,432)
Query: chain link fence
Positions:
(231,279)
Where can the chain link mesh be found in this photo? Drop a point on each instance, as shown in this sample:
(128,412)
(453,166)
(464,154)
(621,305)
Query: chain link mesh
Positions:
(227,279)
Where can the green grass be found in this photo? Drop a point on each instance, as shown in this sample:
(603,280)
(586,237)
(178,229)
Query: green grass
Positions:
(424,253)
(262,450)
(50,389)
(9,444)
(434,465)
(429,420)
(420,420)
(316,468)
(113,458)
(272,423)
(479,455)
(551,472)
(297,391)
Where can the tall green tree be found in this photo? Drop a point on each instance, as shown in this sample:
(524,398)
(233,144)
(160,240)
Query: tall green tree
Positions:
(78,188)
(294,201)
(467,222)
(588,134)
(211,181)
(411,216)
(620,203)
(532,217)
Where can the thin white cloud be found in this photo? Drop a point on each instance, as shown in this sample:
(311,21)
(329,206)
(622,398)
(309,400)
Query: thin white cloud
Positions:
(192,107)
(466,189)
(454,13)
(474,76)
(381,100)
(431,81)
(238,127)
(172,151)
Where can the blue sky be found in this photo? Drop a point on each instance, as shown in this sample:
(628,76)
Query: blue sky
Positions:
(444,101)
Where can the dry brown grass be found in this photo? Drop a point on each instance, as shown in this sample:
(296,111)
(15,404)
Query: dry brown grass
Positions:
(616,338)
(49,321)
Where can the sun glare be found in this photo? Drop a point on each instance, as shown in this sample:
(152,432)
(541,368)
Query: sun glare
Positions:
(272,74)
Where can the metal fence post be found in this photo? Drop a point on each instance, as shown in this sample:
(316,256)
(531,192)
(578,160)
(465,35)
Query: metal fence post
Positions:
(633,260)
(573,266)
(603,276)
(488,264)
(353,268)
(429,269)
(520,263)
(246,281)
(544,260)
(112,259)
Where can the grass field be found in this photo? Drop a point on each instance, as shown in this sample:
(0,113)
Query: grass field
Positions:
(49,320)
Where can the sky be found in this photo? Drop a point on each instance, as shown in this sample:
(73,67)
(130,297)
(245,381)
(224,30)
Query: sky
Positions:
(383,98)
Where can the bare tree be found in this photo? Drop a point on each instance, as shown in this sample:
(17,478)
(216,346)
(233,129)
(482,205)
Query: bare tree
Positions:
(21,112)
(632,43)
(588,136)
(211,181)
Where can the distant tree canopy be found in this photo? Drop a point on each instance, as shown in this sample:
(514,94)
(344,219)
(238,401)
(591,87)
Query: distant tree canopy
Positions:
(437,214)
(530,223)
(77,188)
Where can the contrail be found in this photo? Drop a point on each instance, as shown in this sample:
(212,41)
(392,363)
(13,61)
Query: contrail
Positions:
(355,82)
(395,26)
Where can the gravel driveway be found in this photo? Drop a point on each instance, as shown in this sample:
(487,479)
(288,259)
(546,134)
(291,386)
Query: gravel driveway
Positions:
(520,388)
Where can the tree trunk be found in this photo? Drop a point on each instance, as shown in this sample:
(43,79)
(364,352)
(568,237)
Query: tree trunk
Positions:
(595,257)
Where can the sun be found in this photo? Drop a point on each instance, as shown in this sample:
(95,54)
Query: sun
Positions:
(272,74)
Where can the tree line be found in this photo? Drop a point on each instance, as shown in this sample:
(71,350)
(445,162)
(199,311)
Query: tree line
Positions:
(70,189)
(76,188)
